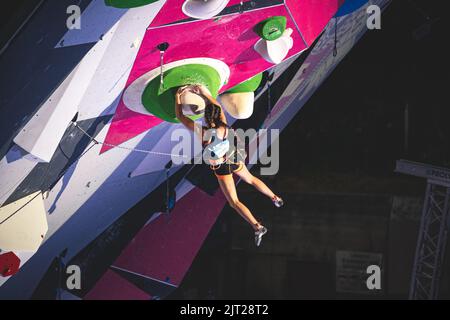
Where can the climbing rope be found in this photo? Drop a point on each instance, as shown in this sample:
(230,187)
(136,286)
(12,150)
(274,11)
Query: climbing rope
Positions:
(162,47)
(335,49)
(269,95)
(126,148)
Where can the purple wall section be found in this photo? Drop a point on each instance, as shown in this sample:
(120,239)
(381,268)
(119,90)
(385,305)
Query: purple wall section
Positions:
(120,290)
(165,249)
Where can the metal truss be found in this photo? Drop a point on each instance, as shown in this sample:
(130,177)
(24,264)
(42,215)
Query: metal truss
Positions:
(432,238)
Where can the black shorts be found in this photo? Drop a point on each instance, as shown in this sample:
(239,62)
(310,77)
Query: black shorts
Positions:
(226,168)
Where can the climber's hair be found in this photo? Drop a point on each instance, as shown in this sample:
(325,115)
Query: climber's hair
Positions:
(212,116)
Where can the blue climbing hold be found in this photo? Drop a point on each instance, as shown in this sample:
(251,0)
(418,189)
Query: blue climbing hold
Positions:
(350,6)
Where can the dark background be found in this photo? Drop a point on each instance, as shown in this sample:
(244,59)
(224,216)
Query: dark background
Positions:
(12,15)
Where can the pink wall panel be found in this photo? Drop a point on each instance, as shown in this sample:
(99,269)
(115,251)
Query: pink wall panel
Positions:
(313,15)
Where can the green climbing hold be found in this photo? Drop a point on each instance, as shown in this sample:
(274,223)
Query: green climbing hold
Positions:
(271,28)
(249,85)
(161,102)
(192,74)
(125,4)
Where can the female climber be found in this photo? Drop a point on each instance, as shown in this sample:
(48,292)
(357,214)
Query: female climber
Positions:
(217,146)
